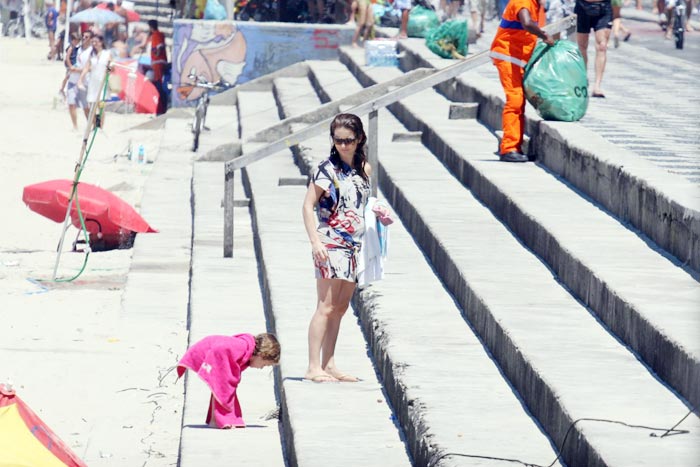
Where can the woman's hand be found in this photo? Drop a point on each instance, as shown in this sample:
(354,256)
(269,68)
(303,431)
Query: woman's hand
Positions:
(319,252)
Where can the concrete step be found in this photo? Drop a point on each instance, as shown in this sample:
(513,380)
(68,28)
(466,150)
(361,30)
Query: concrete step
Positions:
(608,267)
(612,171)
(338,424)
(226,299)
(295,96)
(563,363)
(428,318)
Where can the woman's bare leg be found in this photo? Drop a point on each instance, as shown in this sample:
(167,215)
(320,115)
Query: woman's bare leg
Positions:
(341,302)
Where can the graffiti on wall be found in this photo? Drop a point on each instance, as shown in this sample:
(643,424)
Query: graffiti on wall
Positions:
(237,52)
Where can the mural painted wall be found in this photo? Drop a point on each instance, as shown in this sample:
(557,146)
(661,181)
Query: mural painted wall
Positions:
(241,51)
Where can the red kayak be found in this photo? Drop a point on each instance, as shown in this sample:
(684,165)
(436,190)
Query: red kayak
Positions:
(107,217)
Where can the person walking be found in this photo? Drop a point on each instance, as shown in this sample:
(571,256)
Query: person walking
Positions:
(511,48)
(596,15)
(69,86)
(97,67)
(617,26)
(340,188)
(51,22)
(76,88)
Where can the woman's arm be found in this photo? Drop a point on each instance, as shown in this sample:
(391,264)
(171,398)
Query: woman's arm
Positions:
(532,27)
(313,194)
(86,70)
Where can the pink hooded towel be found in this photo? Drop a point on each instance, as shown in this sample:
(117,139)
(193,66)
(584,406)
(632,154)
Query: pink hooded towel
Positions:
(219,361)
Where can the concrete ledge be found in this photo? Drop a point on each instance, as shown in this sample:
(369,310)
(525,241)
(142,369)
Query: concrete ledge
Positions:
(414,136)
(464,110)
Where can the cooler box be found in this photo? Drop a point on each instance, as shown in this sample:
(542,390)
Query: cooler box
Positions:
(381,53)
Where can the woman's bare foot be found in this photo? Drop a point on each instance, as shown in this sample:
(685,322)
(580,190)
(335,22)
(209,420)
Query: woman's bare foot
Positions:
(340,376)
(320,377)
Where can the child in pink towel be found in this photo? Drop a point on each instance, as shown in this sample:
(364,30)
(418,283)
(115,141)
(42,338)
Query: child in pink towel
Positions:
(219,361)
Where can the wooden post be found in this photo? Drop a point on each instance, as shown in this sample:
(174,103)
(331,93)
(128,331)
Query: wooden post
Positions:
(373,148)
(228,213)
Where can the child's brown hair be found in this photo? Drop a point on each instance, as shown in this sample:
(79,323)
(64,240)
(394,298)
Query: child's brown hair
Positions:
(267,347)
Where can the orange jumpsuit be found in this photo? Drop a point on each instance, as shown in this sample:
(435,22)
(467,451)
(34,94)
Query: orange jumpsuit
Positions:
(510,50)
(159,58)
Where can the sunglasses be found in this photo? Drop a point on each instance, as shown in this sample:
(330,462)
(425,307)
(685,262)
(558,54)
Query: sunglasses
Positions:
(344,141)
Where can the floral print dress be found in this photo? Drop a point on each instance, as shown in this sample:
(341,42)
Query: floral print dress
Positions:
(341,214)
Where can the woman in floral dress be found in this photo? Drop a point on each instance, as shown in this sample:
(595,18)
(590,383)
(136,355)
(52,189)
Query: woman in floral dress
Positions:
(340,188)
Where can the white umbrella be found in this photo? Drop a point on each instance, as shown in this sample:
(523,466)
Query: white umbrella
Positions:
(96,15)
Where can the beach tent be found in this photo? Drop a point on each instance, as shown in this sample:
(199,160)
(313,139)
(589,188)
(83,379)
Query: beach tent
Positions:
(26,441)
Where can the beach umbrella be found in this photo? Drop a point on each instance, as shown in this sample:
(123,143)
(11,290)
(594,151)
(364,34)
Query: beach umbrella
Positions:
(131,15)
(25,440)
(96,15)
(107,217)
(134,87)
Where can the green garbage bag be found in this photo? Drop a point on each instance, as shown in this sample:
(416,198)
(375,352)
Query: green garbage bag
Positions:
(449,40)
(420,21)
(555,82)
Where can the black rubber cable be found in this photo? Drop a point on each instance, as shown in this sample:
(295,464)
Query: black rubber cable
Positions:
(667,432)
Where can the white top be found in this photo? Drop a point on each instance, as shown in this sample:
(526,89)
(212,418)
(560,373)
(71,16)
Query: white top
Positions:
(98,70)
(80,62)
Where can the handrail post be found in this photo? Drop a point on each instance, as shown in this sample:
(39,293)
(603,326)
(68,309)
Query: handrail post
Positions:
(373,148)
(228,212)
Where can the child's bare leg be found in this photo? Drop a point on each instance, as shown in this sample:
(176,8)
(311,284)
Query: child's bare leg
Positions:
(361,18)
(353,8)
(369,24)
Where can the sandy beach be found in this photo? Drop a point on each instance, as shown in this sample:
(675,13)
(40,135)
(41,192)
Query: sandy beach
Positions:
(65,346)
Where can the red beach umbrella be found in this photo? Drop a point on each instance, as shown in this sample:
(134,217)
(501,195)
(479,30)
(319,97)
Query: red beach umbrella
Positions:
(131,15)
(135,87)
(107,216)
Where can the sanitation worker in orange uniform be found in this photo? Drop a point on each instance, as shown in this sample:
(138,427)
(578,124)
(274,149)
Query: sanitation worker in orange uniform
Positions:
(511,49)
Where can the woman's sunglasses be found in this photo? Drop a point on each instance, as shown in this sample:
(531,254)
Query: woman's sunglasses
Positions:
(344,141)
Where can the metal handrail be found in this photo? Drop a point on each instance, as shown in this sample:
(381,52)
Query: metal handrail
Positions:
(389,92)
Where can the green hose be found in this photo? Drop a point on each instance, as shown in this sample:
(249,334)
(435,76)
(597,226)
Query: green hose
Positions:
(74,192)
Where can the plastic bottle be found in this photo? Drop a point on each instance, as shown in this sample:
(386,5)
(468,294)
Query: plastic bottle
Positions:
(142,155)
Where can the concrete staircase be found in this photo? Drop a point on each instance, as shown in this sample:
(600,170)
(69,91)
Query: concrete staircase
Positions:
(529,313)
(159,10)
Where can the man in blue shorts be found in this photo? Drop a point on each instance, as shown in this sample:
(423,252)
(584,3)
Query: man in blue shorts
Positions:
(596,15)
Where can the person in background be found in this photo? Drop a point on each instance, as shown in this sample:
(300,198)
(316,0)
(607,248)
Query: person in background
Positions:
(617,26)
(110,29)
(596,15)
(51,21)
(97,67)
(159,61)
(405,7)
(77,82)
(511,49)
(364,19)
(69,86)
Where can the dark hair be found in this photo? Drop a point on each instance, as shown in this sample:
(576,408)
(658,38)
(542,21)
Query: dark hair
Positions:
(102,41)
(353,123)
(153,23)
